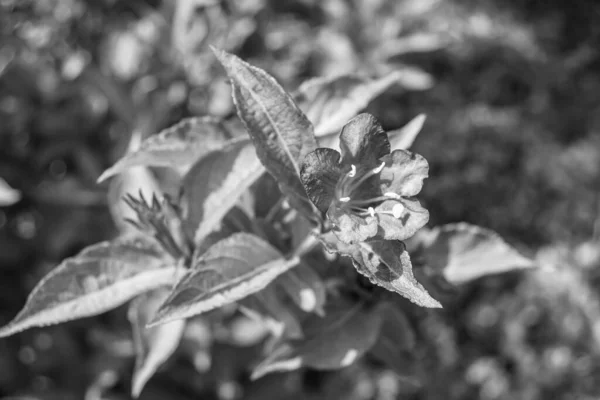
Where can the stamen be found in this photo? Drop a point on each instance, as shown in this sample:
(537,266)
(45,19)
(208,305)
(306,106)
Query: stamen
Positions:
(397,210)
(392,195)
(379,169)
(344,199)
(352,172)
(371,211)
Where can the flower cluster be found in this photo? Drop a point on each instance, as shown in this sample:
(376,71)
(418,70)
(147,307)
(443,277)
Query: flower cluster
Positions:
(367,191)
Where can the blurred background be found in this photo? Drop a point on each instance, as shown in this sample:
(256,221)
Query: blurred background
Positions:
(511,90)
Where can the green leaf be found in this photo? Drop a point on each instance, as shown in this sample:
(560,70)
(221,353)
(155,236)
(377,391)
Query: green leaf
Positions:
(305,287)
(269,306)
(98,279)
(404,137)
(213,185)
(280,132)
(178,146)
(332,342)
(330,102)
(386,263)
(155,345)
(464,252)
(230,270)
(396,327)
(396,343)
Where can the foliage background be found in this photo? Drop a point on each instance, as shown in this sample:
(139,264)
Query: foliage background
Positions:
(511,93)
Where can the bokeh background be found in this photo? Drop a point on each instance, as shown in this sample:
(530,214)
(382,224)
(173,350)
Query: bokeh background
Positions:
(512,94)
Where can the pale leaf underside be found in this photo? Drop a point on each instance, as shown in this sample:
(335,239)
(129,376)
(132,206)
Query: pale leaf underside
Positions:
(330,102)
(182,144)
(153,345)
(464,252)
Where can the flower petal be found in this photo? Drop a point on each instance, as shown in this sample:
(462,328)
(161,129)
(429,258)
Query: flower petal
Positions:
(411,217)
(319,174)
(351,228)
(403,173)
(363,142)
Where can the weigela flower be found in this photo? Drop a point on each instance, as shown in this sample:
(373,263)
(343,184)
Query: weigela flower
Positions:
(366,191)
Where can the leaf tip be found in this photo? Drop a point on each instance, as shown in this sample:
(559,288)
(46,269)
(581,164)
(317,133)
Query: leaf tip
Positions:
(105,175)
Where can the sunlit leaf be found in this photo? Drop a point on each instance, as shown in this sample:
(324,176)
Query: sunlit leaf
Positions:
(280,132)
(331,342)
(330,102)
(178,146)
(8,195)
(463,252)
(98,279)
(404,137)
(153,345)
(228,271)
(215,183)
(305,287)
(386,263)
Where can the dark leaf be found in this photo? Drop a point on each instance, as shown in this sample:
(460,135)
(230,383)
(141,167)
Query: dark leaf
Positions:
(396,343)
(331,342)
(281,133)
(230,270)
(330,102)
(214,185)
(386,263)
(178,146)
(269,306)
(463,252)
(153,345)
(98,279)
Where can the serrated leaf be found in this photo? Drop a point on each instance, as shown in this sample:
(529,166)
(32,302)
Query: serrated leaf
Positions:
(178,146)
(404,137)
(305,287)
(8,195)
(330,102)
(464,252)
(214,184)
(386,263)
(153,345)
(230,270)
(279,130)
(100,278)
(332,342)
